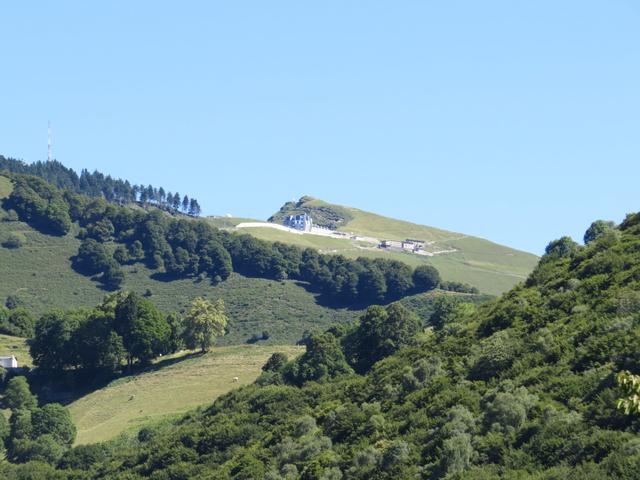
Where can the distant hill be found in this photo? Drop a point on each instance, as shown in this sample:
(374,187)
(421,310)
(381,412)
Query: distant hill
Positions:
(490,267)
(40,276)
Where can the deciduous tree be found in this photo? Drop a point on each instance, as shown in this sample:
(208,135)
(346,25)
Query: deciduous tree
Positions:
(204,322)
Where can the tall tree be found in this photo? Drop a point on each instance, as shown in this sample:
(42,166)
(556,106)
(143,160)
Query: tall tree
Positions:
(381,332)
(51,347)
(204,322)
(425,277)
(185,204)
(194,208)
(176,201)
(145,332)
(18,396)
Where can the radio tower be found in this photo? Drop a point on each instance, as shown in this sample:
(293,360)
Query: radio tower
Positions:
(48,141)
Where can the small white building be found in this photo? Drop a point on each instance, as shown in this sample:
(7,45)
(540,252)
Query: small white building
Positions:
(391,244)
(9,362)
(299,222)
(408,245)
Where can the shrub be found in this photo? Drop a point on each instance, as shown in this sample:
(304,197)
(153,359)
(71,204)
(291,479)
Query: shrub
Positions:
(425,277)
(10,216)
(17,322)
(14,240)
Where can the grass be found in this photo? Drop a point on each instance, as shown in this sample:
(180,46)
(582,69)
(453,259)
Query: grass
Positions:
(130,402)
(490,267)
(324,244)
(5,187)
(227,222)
(15,346)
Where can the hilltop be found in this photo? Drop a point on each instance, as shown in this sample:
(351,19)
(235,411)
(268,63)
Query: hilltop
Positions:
(487,266)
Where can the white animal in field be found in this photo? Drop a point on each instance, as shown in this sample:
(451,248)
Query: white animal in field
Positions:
(236,379)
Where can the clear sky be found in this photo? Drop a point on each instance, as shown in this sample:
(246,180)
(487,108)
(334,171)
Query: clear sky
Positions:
(515,121)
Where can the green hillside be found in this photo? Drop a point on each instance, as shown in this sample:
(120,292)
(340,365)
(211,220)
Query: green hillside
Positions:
(490,267)
(172,385)
(526,387)
(184,383)
(39,274)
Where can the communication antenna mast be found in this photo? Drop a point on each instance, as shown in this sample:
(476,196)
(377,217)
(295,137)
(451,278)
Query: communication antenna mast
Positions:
(48,141)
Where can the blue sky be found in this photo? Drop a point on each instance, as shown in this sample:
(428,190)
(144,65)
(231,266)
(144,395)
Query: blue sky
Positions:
(515,121)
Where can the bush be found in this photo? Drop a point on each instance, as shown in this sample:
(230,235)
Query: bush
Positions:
(10,216)
(425,277)
(380,333)
(18,396)
(12,301)
(14,240)
(17,322)
(276,362)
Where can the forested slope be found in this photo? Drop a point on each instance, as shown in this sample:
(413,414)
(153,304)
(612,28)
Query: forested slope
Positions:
(64,250)
(521,388)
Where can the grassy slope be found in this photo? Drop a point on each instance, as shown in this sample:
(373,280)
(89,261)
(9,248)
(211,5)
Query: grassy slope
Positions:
(490,267)
(385,228)
(130,402)
(15,346)
(175,384)
(40,274)
(5,187)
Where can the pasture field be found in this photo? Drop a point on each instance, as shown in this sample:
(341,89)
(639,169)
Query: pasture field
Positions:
(184,381)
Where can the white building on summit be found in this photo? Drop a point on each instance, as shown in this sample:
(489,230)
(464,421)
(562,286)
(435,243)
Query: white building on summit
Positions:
(299,222)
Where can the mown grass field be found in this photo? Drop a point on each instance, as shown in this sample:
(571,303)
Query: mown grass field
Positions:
(15,346)
(190,381)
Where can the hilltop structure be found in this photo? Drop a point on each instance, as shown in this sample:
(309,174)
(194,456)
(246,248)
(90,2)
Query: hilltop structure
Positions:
(409,244)
(301,222)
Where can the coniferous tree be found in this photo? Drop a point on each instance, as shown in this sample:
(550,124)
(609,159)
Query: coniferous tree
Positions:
(194,207)
(185,204)
(151,193)
(176,201)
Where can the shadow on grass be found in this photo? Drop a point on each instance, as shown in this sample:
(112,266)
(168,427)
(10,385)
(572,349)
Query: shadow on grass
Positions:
(329,301)
(71,385)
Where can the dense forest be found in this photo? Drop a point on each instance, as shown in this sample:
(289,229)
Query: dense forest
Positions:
(538,384)
(99,185)
(179,247)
